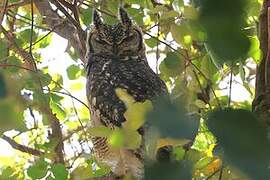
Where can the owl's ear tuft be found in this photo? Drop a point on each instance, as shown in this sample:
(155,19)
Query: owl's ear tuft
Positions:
(124,17)
(97,19)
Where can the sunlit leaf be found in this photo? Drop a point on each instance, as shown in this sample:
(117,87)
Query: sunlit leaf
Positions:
(58,110)
(45,41)
(100,131)
(255,51)
(73,72)
(117,139)
(8,173)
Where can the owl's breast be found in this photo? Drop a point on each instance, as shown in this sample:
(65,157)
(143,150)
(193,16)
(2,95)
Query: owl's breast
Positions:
(133,75)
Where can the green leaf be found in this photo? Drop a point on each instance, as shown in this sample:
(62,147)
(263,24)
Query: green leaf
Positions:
(208,67)
(25,36)
(242,73)
(38,170)
(11,115)
(86,15)
(117,139)
(179,32)
(41,98)
(46,79)
(255,51)
(194,155)
(56,82)
(202,163)
(56,98)
(190,12)
(172,121)
(82,172)
(8,173)
(14,61)
(101,172)
(179,152)
(45,41)
(59,171)
(73,72)
(73,54)
(58,110)
(223,24)
(152,42)
(243,140)
(100,131)
(172,65)
(171,171)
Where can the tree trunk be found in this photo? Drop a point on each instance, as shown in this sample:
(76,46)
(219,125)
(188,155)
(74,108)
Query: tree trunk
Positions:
(261,102)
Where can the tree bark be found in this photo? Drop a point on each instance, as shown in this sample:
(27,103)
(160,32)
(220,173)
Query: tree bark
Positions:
(261,102)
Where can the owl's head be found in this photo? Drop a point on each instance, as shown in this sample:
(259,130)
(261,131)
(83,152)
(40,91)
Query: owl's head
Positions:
(122,39)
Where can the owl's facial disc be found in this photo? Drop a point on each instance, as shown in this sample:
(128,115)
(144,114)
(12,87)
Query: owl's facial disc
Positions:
(119,39)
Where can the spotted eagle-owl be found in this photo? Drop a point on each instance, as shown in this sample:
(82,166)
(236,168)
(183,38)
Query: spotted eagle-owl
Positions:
(116,59)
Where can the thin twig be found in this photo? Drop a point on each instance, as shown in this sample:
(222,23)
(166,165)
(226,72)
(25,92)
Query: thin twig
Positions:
(70,95)
(22,148)
(9,13)
(230,86)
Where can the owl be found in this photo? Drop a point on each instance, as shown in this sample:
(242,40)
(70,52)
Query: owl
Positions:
(116,59)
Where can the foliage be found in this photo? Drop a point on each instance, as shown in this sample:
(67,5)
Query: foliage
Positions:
(195,46)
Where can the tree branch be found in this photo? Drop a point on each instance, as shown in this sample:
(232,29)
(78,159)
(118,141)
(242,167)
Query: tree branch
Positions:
(56,134)
(65,29)
(22,148)
(45,109)
(260,104)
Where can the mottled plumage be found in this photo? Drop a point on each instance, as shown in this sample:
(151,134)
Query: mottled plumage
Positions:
(116,59)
